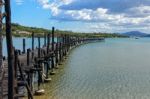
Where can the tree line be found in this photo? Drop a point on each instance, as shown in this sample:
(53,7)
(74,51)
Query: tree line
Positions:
(17,28)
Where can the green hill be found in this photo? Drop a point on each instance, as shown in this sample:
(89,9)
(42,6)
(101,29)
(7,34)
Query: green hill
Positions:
(21,31)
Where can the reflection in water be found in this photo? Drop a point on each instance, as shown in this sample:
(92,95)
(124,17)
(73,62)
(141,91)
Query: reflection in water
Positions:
(114,69)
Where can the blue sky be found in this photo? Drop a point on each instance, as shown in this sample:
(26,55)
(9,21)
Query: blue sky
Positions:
(84,15)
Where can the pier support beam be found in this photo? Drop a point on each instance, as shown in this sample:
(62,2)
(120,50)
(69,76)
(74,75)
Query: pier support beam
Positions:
(10,51)
(48,42)
(52,57)
(1,36)
(32,45)
(24,46)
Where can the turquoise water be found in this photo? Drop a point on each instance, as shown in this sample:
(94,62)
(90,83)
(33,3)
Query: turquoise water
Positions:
(113,69)
(18,43)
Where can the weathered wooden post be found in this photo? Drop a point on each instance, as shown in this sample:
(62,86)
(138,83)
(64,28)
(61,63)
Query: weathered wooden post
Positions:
(53,30)
(52,57)
(16,62)
(44,39)
(39,65)
(10,51)
(60,50)
(56,53)
(65,45)
(28,72)
(1,35)
(32,45)
(67,40)
(39,47)
(24,46)
(48,42)
(28,57)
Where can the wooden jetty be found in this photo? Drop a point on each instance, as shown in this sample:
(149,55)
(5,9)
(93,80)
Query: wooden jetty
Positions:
(18,70)
(41,61)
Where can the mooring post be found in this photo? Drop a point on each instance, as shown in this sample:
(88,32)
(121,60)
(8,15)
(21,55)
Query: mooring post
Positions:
(10,51)
(24,46)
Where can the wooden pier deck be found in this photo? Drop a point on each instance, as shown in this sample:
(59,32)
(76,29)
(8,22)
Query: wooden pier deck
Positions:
(16,72)
(42,61)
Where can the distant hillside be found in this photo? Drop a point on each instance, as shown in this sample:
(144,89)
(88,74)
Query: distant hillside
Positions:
(22,31)
(135,34)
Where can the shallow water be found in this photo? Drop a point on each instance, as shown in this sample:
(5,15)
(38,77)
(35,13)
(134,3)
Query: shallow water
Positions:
(18,43)
(114,69)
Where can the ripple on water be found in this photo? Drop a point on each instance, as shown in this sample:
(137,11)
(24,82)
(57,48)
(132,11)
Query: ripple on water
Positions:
(115,69)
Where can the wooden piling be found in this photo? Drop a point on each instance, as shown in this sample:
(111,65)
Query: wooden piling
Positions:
(60,49)
(28,57)
(53,29)
(39,47)
(1,36)
(22,66)
(52,57)
(44,39)
(32,45)
(24,46)
(10,51)
(48,42)
(29,74)
(56,53)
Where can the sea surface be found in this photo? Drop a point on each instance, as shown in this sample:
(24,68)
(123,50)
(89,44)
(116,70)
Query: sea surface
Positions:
(117,68)
(18,43)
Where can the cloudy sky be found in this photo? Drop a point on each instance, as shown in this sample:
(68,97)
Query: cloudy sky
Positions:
(84,15)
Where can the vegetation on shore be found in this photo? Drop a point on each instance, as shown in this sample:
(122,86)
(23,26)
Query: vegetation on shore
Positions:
(24,31)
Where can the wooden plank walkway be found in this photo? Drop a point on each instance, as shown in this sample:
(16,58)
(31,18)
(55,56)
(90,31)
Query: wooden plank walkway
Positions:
(4,81)
(60,49)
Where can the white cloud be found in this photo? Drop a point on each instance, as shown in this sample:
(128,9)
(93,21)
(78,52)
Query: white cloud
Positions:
(66,2)
(100,14)
(140,11)
(135,17)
